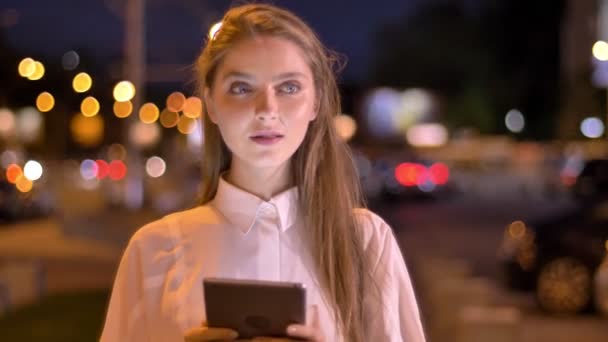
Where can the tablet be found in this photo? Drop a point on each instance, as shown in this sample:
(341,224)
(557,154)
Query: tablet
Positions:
(254,307)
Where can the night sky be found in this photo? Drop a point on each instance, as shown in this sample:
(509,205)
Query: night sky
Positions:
(175,29)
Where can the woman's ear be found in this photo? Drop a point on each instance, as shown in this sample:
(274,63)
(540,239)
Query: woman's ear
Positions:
(209,104)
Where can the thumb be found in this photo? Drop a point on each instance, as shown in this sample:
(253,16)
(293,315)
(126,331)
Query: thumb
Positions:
(314,316)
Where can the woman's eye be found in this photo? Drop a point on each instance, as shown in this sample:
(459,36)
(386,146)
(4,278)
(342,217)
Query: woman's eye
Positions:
(239,88)
(289,88)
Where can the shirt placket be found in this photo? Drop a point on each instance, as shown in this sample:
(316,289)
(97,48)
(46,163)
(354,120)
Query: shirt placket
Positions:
(268,221)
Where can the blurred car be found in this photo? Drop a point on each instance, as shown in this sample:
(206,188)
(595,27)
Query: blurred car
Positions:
(557,257)
(389,174)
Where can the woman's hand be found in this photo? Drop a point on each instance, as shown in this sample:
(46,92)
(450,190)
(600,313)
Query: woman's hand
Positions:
(205,333)
(311,332)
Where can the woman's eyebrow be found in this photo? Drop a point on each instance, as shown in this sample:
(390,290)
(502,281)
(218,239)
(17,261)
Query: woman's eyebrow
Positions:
(279,77)
(238,74)
(286,75)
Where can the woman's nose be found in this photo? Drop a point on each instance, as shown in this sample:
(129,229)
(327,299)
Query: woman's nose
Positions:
(266,106)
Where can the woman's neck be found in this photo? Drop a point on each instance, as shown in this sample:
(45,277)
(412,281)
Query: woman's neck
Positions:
(262,182)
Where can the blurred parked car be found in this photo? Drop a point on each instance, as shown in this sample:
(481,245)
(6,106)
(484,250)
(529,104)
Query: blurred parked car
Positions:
(557,257)
(400,175)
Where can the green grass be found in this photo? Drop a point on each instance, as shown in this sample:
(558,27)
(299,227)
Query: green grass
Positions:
(72,317)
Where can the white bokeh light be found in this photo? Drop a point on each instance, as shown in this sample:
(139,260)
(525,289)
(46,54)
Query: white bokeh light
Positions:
(515,121)
(155,167)
(32,170)
(592,127)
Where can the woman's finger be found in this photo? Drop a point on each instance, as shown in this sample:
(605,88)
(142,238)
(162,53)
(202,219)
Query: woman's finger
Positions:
(210,334)
(311,331)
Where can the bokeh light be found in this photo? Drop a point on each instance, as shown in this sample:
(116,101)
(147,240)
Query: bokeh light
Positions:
(410,174)
(155,167)
(176,101)
(117,170)
(592,127)
(144,135)
(38,72)
(193,107)
(88,169)
(427,135)
(89,106)
(600,50)
(32,170)
(346,126)
(45,102)
(149,113)
(87,131)
(103,169)
(27,67)
(123,109)
(70,60)
(8,157)
(117,152)
(29,124)
(186,125)
(168,118)
(515,121)
(13,172)
(82,82)
(24,185)
(124,91)
(439,173)
(7,123)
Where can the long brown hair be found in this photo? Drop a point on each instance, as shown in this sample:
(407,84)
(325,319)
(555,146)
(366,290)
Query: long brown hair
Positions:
(322,167)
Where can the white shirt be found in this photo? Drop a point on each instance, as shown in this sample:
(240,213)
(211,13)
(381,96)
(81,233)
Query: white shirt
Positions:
(157,294)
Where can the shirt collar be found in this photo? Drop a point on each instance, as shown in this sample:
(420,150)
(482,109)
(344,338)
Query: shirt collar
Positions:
(241,208)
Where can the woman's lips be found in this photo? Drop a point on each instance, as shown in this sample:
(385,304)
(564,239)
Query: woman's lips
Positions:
(266,139)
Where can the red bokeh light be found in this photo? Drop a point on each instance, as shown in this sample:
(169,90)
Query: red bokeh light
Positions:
(440,173)
(103,169)
(410,174)
(118,170)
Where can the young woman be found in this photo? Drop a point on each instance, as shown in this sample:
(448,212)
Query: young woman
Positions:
(279,202)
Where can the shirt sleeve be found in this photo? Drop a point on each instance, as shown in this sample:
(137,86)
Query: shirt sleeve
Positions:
(395,317)
(125,319)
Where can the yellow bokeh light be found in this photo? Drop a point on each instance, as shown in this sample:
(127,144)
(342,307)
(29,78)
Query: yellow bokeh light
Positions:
(82,82)
(45,102)
(124,91)
(89,106)
(175,101)
(168,118)
(38,72)
(600,50)
(27,67)
(123,109)
(186,125)
(24,185)
(148,113)
(193,107)
(87,131)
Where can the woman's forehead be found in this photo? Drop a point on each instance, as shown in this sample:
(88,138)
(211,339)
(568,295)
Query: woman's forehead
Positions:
(265,57)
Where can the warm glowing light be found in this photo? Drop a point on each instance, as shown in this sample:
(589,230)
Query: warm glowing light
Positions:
(193,107)
(13,172)
(7,122)
(29,124)
(24,185)
(427,135)
(439,173)
(600,50)
(27,67)
(32,170)
(123,109)
(346,126)
(124,91)
(144,135)
(156,167)
(38,72)
(89,106)
(517,230)
(118,170)
(410,174)
(168,118)
(148,113)
(87,131)
(176,101)
(214,29)
(45,102)
(117,152)
(186,125)
(82,82)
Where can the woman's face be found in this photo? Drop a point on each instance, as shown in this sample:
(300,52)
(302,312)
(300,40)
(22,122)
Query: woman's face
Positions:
(262,100)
